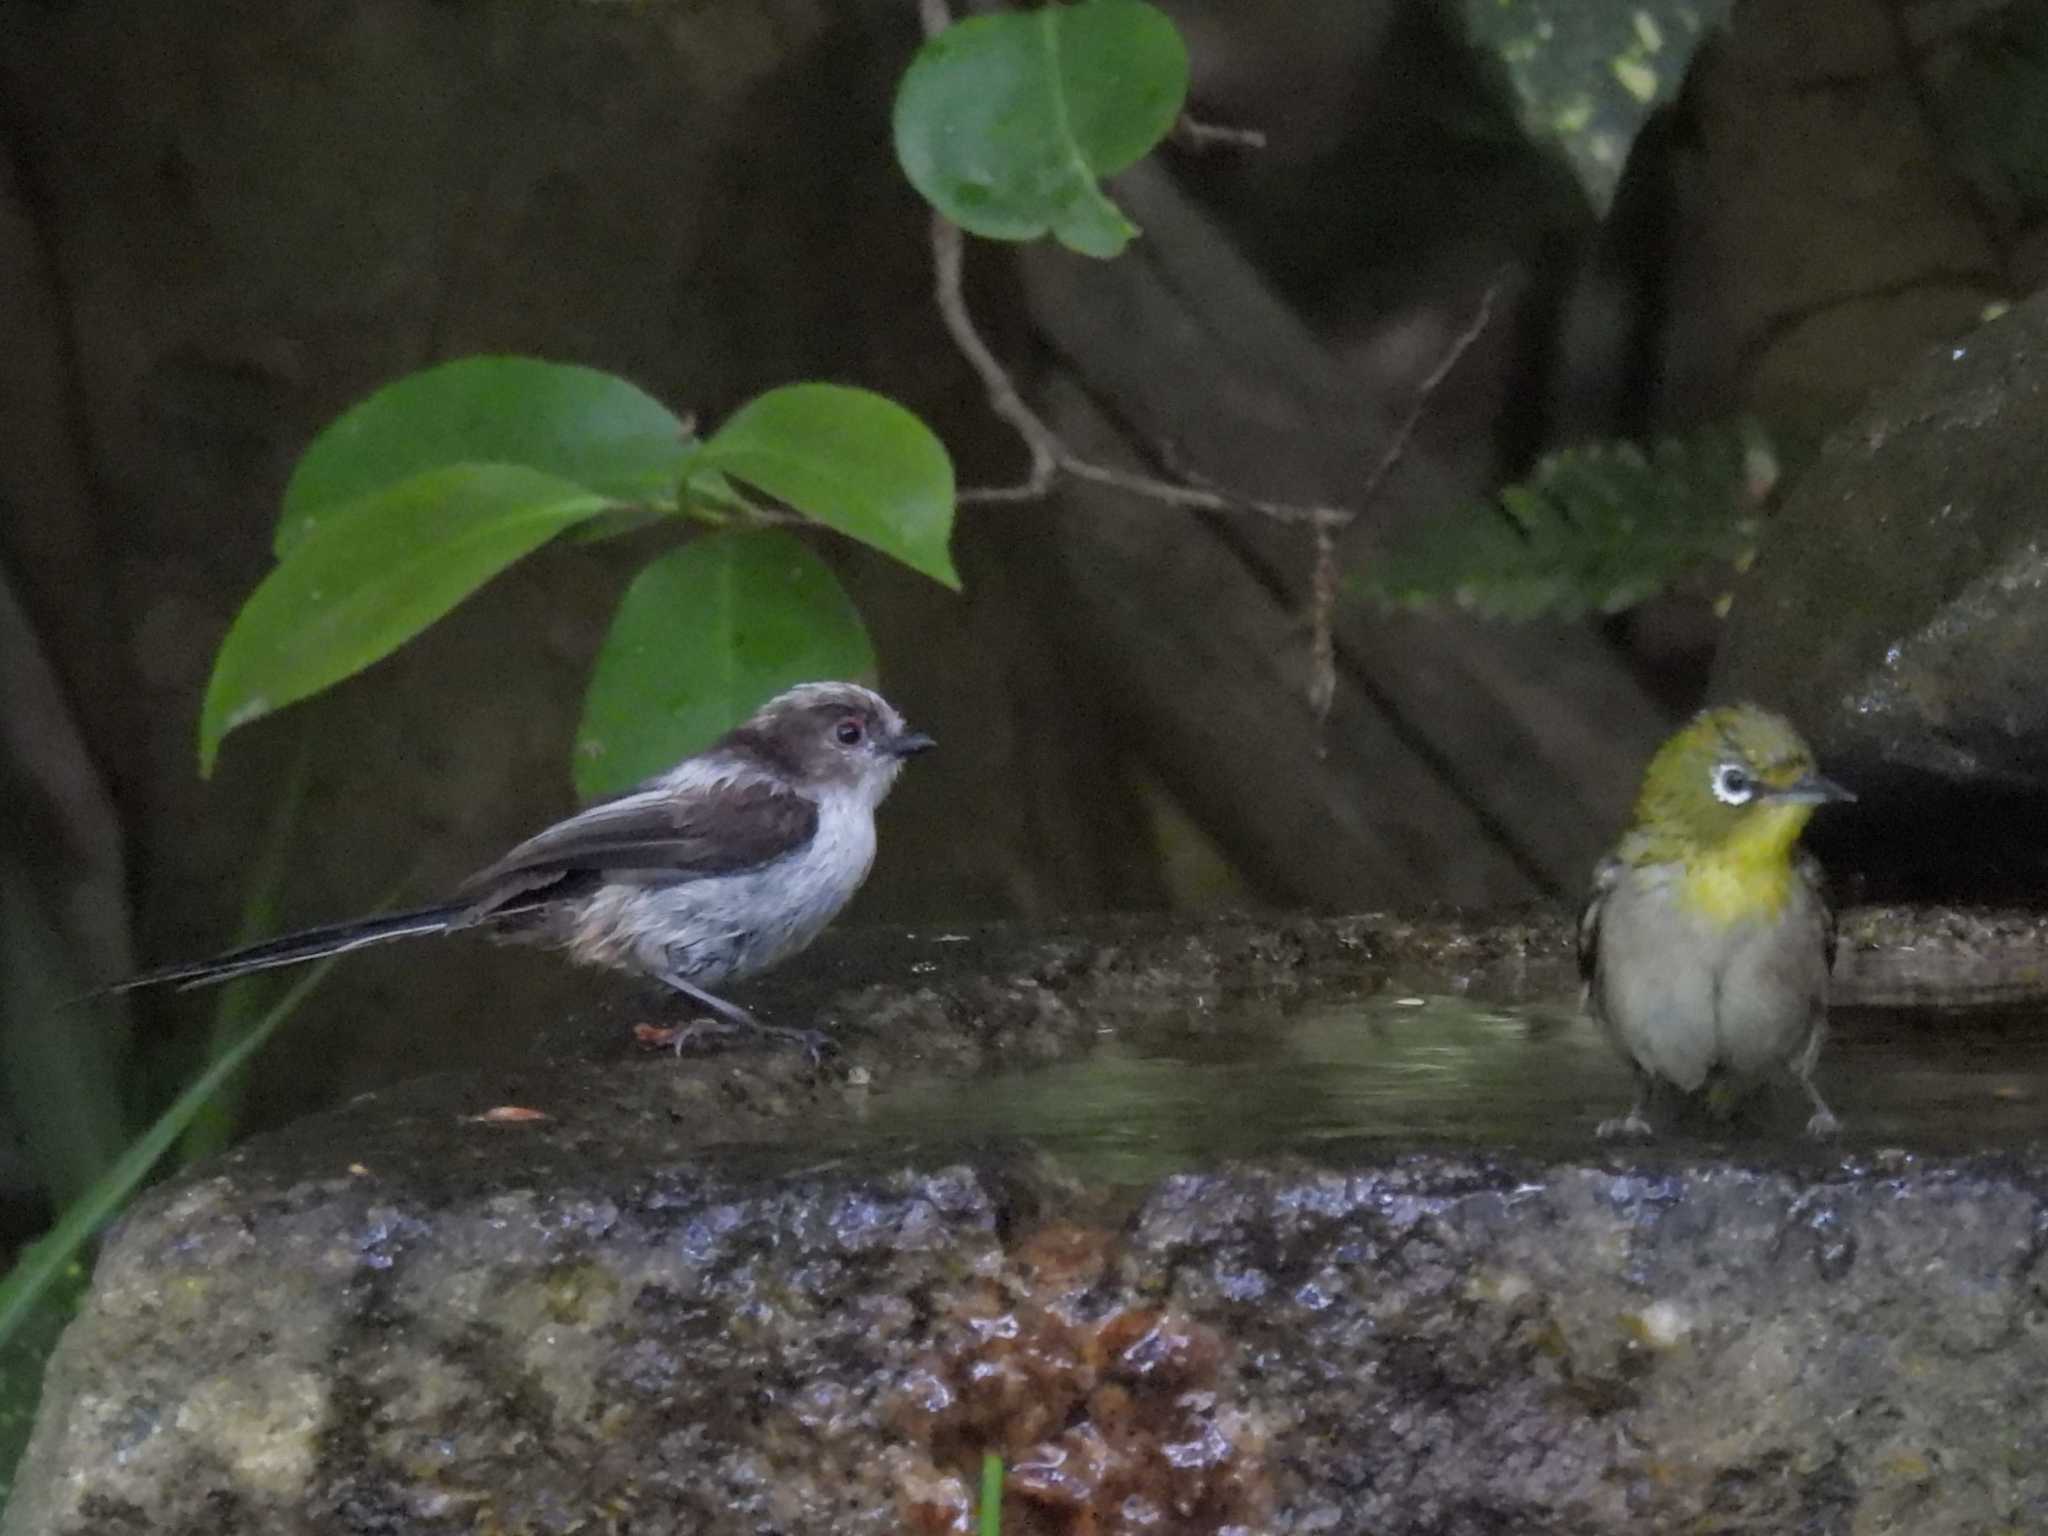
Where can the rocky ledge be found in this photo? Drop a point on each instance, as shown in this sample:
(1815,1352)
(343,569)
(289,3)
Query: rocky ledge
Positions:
(742,1294)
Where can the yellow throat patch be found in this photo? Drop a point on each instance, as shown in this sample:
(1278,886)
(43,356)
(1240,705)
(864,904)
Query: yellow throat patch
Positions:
(1748,874)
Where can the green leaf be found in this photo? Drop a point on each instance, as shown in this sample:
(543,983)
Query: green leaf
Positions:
(574,424)
(617,524)
(1007,123)
(1602,526)
(363,581)
(703,636)
(852,460)
(1587,74)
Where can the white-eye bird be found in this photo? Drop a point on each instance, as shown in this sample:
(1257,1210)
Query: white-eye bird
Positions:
(1706,943)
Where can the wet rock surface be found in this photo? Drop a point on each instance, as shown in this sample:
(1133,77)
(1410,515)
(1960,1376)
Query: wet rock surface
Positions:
(739,1293)
(1896,612)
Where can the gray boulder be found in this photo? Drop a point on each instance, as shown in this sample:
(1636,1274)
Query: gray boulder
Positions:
(1182,1221)
(1899,612)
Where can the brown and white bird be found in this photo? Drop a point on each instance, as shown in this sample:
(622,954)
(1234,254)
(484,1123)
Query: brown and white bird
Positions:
(731,861)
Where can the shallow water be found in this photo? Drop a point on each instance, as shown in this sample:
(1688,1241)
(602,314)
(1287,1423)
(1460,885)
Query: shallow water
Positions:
(1432,1072)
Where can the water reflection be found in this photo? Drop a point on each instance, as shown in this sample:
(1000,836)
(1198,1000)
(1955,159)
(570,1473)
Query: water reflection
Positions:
(1405,1073)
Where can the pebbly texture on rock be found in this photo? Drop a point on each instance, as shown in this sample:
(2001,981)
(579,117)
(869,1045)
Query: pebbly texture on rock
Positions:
(1896,612)
(736,1294)
(1442,1345)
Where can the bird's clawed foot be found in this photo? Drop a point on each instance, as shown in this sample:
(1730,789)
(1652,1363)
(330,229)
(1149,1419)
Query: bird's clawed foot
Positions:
(730,1019)
(1629,1127)
(1823,1126)
(816,1044)
(681,1037)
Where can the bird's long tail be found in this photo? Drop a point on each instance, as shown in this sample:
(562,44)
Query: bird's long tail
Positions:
(292,948)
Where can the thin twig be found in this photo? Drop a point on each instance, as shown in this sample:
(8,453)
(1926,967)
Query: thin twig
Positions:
(947,261)
(1051,457)
(1322,614)
(1454,354)
(1191,132)
(1322,644)
(1195,498)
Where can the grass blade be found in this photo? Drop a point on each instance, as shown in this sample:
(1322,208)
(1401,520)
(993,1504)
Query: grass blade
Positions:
(213,1127)
(991,1521)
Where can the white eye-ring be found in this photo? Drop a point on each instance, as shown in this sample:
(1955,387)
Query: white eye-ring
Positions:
(1733,785)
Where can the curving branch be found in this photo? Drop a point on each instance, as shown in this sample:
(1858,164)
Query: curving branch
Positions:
(1052,458)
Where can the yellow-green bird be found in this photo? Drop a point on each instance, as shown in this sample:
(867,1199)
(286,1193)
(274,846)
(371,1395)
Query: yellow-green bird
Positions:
(1706,943)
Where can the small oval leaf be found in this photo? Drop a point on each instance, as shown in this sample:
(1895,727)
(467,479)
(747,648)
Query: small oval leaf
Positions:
(356,586)
(588,428)
(703,636)
(1007,123)
(850,459)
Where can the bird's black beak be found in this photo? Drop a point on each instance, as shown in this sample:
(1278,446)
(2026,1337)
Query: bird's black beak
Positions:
(910,743)
(1814,789)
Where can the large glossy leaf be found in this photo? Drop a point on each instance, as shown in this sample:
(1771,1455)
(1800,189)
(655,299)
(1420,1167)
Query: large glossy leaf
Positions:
(703,636)
(1007,123)
(576,424)
(854,461)
(363,581)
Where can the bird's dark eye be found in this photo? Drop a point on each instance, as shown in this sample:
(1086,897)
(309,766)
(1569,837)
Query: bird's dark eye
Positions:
(1732,784)
(849,732)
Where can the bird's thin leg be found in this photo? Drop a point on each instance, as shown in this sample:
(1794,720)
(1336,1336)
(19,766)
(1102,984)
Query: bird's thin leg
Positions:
(731,1018)
(1822,1124)
(732,1013)
(1631,1126)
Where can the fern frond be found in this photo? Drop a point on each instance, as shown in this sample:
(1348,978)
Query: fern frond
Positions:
(1597,527)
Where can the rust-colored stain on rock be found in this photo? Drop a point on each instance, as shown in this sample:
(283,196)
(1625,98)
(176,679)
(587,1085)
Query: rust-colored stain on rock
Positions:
(1110,1418)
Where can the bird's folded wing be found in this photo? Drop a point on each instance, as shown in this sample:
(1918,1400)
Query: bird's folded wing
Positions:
(1604,879)
(1817,881)
(656,836)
